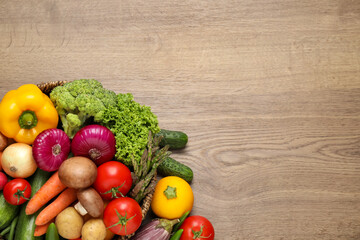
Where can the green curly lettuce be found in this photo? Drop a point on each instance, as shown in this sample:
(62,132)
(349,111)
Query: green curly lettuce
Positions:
(130,122)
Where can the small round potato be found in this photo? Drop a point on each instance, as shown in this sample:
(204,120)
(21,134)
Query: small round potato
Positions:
(109,235)
(91,200)
(69,223)
(3,142)
(78,172)
(93,229)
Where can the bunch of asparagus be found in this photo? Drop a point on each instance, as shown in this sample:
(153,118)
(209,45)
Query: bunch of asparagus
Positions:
(145,170)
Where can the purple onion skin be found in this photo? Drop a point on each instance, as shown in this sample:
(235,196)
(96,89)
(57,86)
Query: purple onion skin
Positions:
(95,142)
(50,148)
(153,230)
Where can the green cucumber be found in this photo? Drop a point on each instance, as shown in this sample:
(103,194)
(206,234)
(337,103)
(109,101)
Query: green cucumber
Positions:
(7,212)
(26,224)
(171,167)
(175,139)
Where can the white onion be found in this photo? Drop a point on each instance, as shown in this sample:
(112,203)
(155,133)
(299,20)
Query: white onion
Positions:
(17,160)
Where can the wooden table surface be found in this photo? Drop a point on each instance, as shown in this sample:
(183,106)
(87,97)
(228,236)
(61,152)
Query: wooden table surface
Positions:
(268,92)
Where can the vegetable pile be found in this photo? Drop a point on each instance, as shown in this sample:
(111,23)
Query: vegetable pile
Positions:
(81,163)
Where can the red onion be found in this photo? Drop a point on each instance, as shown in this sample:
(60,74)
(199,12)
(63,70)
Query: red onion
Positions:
(95,142)
(157,229)
(50,148)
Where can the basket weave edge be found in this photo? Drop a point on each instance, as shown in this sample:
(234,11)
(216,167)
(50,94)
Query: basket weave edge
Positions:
(47,87)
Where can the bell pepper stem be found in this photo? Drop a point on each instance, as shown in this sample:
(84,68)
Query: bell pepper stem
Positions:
(28,119)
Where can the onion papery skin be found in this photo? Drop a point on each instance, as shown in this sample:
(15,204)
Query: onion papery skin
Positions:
(95,142)
(50,148)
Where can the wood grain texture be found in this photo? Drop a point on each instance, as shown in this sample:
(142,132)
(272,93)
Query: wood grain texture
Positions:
(268,92)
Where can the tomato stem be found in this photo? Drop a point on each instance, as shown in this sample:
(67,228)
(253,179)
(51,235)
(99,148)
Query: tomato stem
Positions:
(122,221)
(197,234)
(20,194)
(114,191)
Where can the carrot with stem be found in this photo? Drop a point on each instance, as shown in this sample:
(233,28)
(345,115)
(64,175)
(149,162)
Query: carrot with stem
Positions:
(51,188)
(53,209)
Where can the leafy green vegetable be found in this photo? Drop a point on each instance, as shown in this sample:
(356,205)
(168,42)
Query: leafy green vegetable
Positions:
(81,100)
(85,100)
(130,122)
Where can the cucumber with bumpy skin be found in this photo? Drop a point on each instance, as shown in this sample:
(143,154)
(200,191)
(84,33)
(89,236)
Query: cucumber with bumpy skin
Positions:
(171,167)
(7,212)
(26,224)
(175,139)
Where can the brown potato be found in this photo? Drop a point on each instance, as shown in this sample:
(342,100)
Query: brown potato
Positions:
(94,229)
(69,223)
(78,172)
(91,200)
(109,235)
(4,141)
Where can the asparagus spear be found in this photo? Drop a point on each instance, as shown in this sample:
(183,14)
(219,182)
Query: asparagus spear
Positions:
(145,170)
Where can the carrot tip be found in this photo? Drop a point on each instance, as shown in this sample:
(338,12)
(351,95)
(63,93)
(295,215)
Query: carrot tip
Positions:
(28,212)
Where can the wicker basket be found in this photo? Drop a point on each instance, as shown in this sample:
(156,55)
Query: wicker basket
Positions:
(145,206)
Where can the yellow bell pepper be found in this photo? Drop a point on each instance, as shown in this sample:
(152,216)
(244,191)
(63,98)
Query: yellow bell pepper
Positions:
(26,112)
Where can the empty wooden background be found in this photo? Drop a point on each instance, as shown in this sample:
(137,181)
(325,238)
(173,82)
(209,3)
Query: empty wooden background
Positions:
(268,92)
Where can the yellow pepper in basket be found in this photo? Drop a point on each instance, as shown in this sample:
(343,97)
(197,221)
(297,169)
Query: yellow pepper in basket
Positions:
(26,112)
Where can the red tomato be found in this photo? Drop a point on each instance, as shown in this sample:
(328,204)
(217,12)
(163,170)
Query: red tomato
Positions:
(123,216)
(17,191)
(113,180)
(3,180)
(197,228)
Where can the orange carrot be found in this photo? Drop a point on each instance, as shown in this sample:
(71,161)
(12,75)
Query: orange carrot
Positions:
(53,209)
(50,189)
(41,229)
